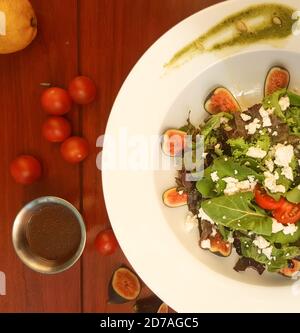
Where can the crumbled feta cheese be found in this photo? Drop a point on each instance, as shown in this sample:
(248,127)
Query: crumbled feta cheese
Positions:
(256,152)
(270,182)
(275,133)
(287,172)
(270,165)
(261,242)
(265,117)
(235,172)
(214,232)
(251,179)
(205,244)
(230,239)
(270,111)
(276,227)
(234,186)
(269,130)
(290,229)
(224,120)
(191,222)
(203,216)
(204,155)
(283,155)
(284,103)
(180,192)
(253,126)
(268,252)
(245,117)
(214,176)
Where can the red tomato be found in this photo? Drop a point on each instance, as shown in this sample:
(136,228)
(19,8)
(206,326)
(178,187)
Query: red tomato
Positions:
(56,101)
(82,90)
(106,242)
(75,149)
(265,201)
(56,129)
(25,169)
(287,213)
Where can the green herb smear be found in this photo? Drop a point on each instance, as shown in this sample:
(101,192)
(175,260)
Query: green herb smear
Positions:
(251,25)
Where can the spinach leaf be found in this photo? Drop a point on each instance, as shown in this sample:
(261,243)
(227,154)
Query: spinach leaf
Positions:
(238,213)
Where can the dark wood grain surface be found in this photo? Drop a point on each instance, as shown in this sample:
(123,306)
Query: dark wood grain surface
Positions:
(102,39)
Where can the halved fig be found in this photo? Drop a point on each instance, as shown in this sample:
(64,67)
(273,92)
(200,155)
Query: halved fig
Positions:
(150,304)
(292,268)
(277,78)
(221,100)
(173,142)
(219,246)
(172,198)
(124,286)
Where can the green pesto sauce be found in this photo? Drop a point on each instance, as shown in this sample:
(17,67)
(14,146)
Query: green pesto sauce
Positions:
(267,29)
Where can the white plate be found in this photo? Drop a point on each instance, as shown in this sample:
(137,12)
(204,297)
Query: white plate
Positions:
(151,235)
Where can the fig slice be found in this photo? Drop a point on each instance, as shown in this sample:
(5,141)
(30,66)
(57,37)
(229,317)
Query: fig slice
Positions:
(172,198)
(219,246)
(124,286)
(173,142)
(221,100)
(277,78)
(291,269)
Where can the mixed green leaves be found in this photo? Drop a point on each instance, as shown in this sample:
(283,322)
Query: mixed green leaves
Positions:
(238,213)
(224,167)
(279,257)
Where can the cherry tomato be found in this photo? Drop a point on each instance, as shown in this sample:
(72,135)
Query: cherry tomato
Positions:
(25,169)
(287,213)
(56,101)
(265,201)
(75,149)
(106,242)
(82,90)
(56,129)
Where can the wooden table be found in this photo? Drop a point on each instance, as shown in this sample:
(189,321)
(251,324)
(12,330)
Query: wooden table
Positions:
(102,39)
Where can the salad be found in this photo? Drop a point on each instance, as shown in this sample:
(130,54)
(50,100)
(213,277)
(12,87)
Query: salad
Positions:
(248,198)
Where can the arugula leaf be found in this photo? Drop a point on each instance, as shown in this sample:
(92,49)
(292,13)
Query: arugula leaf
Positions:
(294,98)
(214,122)
(281,238)
(227,167)
(280,256)
(293,195)
(273,101)
(238,213)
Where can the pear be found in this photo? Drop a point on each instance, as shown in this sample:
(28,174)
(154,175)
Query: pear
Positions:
(18,25)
